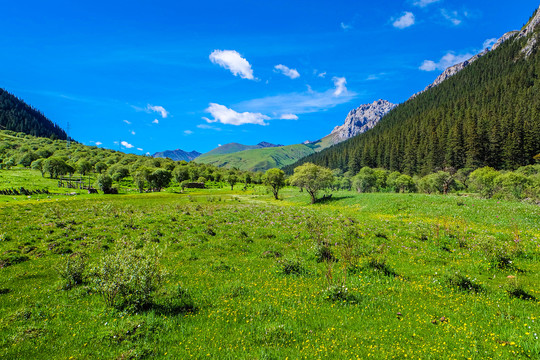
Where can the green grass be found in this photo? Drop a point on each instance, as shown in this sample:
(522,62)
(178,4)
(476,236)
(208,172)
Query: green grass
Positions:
(419,274)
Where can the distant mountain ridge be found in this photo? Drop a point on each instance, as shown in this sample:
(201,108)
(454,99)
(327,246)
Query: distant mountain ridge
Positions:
(16,115)
(264,156)
(178,155)
(233,147)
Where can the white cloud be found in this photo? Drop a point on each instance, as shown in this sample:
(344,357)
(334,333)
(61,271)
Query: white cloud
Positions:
(98,143)
(306,102)
(127,122)
(188,132)
(156,121)
(126,144)
(445,62)
(159,109)
(288,117)
(406,20)
(218,145)
(233,61)
(322,75)
(346,27)
(208,127)
(228,116)
(292,73)
(452,16)
(140,149)
(489,43)
(424,3)
(339,83)
(132,132)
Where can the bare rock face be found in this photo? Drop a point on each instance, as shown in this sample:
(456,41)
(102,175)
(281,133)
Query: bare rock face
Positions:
(361,120)
(531,25)
(503,38)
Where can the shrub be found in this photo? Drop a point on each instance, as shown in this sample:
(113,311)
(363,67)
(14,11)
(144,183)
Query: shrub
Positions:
(128,278)
(365,180)
(511,185)
(104,183)
(463,283)
(292,267)
(482,181)
(72,270)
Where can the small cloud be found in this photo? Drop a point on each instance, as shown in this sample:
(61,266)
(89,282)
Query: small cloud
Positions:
(126,145)
(228,116)
(424,3)
(321,75)
(188,132)
(339,83)
(127,122)
(140,149)
(445,62)
(156,121)
(218,145)
(489,43)
(98,143)
(292,73)
(159,109)
(404,21)
(233,61)
(452,16)
(346,27)
(132,132)
(208,127)
(147,154)
(288,117)
(115,142)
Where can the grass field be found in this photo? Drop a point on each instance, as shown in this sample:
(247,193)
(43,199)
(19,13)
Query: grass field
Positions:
(360,276)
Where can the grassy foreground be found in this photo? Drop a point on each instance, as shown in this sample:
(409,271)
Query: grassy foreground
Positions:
(361,276)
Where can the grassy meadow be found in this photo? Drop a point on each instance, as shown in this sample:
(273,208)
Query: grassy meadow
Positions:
(357,276)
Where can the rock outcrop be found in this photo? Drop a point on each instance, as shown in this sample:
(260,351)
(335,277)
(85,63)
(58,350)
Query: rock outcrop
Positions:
(361,120)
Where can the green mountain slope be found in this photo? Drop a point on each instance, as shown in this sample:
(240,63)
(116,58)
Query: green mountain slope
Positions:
(236,147)
(486,115)
(259,159)
(16,115)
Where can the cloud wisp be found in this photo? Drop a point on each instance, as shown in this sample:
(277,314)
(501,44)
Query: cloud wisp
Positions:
(297,103)
(159,109)
(445,62)
(234,62)
(404,21)
(291,73)
(452,16)
(126,145)
(424,3)
(224,115)
(288,117)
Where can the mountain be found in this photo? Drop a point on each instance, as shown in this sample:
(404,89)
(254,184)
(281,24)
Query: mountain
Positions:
(16,115)
(453,70)
(259,159)
(360,120)
(264,156)
(231,148)
(486,114)
(177,155)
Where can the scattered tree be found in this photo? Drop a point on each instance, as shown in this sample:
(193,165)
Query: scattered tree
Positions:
(312,178)
(275,180)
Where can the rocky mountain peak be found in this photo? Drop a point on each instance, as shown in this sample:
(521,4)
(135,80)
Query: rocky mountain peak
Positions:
(361,119)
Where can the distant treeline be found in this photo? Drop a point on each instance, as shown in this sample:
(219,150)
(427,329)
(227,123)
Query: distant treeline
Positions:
(18,116)
(486,115)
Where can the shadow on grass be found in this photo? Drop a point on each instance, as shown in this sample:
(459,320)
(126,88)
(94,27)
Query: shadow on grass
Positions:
(330,199)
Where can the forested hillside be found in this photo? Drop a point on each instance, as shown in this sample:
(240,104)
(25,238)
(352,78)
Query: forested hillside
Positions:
(18,116)
(486,115)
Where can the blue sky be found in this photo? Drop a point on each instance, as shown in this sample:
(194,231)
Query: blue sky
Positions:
(149,76)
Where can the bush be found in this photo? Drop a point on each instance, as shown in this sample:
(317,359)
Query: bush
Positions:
(72,269)
(104,183)
(511,185)
(128,278)
(482,181)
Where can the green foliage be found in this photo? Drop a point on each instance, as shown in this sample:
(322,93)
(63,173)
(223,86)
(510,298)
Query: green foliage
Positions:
(159,179)
(275,180)
(104,183)
(482,180)
(72,270)
(128,279)
(312,178)
(365,180)
(56,167)
(405,184)
(511,184)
